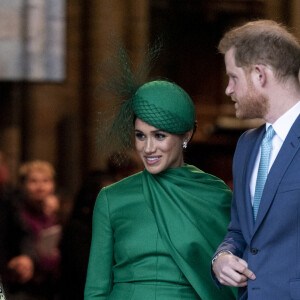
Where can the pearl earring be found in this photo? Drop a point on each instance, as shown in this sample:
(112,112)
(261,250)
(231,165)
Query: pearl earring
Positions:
(184,145)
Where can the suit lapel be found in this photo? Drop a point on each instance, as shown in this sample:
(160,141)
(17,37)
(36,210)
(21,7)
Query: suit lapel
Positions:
(285,156)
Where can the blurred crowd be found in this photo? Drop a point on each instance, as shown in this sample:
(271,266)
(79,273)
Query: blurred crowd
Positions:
(44,247)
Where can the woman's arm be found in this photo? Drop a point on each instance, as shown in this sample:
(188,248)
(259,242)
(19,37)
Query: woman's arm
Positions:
(99,275)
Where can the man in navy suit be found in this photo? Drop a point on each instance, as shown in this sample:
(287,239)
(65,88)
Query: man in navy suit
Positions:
(261,251)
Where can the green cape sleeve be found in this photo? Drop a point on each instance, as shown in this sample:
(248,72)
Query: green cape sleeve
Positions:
(192,212)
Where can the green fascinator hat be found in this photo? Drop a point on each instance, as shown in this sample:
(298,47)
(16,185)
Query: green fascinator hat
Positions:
(164,105)
(159,103)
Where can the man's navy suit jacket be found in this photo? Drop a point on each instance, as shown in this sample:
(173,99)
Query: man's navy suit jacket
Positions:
(271,244)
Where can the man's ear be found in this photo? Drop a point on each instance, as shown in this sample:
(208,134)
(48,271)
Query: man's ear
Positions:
(260,74)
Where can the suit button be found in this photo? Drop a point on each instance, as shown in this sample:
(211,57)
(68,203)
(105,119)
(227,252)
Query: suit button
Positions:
(254,251)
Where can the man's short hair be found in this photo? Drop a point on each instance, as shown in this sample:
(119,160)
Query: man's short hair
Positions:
(264,42)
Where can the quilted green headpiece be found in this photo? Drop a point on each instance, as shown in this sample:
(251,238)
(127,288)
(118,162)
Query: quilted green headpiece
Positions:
(159,103)
(164,105)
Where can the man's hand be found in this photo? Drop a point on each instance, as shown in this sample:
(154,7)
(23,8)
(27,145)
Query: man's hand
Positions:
(232,270)
(23,268)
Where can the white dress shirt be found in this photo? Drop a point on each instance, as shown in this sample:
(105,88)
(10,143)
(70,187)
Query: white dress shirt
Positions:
(281,127)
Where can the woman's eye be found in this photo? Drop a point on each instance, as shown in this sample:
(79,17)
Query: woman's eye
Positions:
(160,136)
(139,136)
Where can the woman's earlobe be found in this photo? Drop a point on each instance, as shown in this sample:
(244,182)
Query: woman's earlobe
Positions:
(189,135)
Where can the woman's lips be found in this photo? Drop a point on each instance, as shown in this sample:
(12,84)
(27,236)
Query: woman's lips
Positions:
(152,160)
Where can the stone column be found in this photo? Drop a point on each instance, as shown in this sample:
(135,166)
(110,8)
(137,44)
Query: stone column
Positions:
(126,20)
(139,31)
(48,104)
(276,10)
(294,17)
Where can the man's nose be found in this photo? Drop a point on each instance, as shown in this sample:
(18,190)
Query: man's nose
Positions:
(229,89)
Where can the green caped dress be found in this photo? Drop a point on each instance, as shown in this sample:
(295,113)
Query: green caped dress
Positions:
(154,237)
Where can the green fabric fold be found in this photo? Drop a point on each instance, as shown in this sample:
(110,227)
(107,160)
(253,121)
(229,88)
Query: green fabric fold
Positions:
(192,212)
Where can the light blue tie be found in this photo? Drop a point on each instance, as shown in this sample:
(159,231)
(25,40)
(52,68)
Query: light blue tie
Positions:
(263,169)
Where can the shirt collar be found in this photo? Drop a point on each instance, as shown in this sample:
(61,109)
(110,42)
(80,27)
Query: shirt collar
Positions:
(283,124)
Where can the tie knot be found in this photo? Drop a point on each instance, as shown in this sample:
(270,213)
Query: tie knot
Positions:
(270,133)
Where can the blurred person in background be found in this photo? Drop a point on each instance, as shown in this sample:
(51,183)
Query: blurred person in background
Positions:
(37,179)
(77,235)
(51,206)
(12,234)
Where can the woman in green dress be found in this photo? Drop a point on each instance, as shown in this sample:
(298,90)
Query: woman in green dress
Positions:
(154,233)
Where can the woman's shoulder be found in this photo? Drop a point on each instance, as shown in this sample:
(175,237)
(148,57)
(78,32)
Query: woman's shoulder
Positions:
(205,178)
(126,183)
(123,191)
